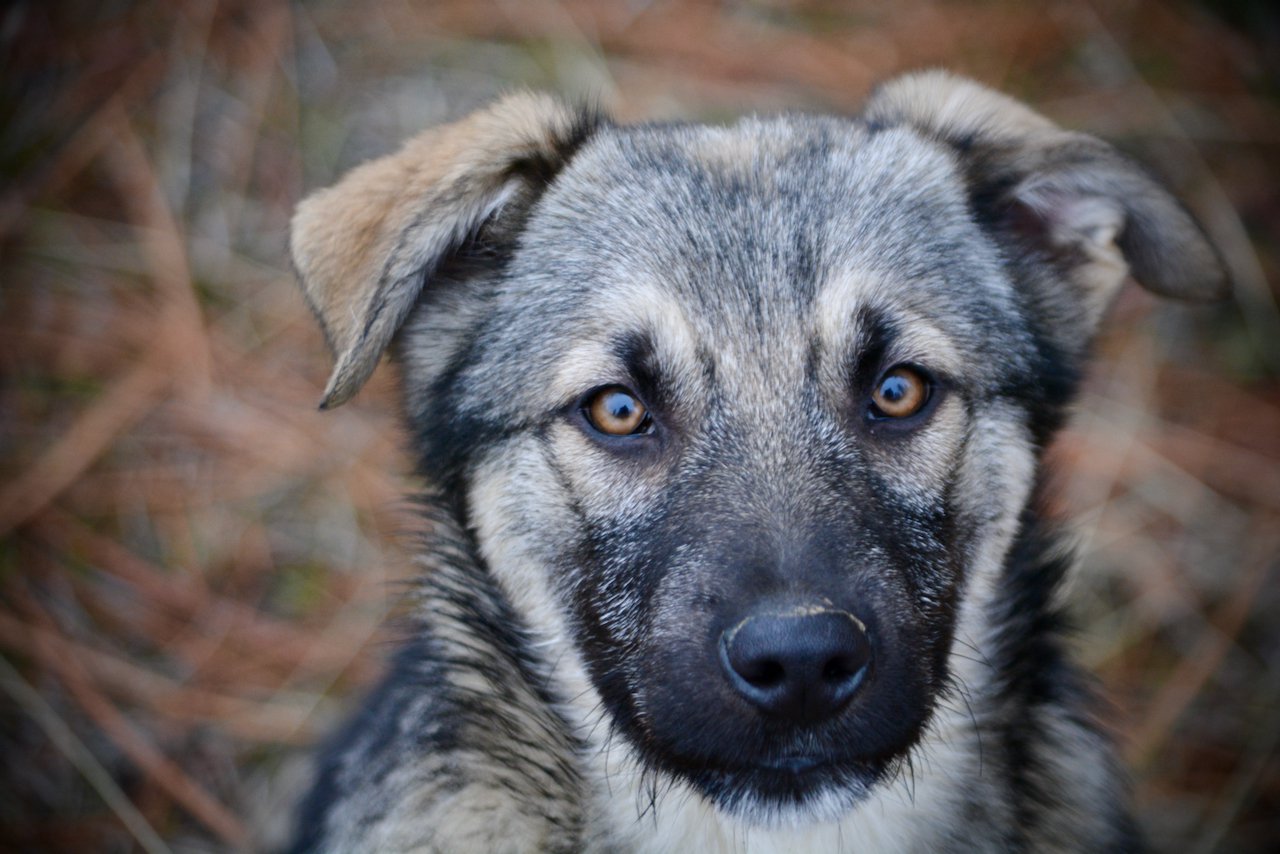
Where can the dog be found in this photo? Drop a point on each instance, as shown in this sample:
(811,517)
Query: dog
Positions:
(734,437)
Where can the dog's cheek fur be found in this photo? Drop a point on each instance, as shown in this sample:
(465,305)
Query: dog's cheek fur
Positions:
(519,509)
(522,499)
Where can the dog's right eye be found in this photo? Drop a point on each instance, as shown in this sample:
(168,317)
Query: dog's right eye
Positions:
(615,411)
(901,393)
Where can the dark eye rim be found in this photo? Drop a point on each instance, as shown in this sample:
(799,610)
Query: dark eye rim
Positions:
(882,420)
(582,411)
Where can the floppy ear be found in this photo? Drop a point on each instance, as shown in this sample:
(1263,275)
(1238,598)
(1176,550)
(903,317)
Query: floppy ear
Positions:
(1065,197)
(365,248)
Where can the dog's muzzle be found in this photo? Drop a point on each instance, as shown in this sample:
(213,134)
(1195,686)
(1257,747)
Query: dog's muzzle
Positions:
(800,667)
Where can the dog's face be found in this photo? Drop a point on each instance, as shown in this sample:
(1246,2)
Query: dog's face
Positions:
(677,403)
(741,414)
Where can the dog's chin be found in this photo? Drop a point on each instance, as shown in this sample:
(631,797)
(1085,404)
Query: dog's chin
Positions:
(790,793)
(777,780)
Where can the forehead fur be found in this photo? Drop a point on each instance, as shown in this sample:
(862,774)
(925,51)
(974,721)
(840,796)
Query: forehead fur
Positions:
(748,242)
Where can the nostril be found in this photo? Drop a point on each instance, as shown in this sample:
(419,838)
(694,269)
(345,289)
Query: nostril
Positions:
(762,674)
(840,668)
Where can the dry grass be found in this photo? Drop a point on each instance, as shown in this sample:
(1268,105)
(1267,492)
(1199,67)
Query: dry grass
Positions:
(196,566)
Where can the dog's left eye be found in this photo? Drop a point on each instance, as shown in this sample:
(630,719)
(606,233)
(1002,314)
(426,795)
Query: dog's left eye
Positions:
(900,393)
(615,411)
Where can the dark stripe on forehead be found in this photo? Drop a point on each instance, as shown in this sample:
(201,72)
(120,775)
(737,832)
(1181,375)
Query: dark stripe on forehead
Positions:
(876,335)
(657,370)
(637,354)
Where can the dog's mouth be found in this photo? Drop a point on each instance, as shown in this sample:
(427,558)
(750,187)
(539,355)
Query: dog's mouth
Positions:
(788,789)
(783,784)
(796,763)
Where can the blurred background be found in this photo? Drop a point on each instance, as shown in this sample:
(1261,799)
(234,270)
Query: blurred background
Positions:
(197,568)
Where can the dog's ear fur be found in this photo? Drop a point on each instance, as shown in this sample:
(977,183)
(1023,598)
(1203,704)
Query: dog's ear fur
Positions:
(1066,197)
(365,248)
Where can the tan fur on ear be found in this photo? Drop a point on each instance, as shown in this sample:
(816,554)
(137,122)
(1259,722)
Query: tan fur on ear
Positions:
(364,247)
(1093,205)
(955,109)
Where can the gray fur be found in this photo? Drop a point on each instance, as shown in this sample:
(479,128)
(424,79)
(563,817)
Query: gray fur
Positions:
(750,283)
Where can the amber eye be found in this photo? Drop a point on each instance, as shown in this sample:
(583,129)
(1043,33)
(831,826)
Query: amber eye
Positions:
(616,412)
(901,392)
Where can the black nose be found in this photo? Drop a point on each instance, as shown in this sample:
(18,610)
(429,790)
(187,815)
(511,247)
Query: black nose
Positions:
(802,667)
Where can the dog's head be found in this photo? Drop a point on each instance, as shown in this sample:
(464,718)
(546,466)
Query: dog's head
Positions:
(743,414)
